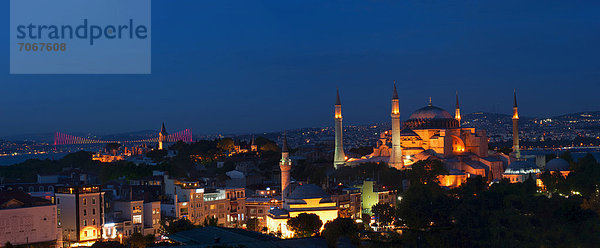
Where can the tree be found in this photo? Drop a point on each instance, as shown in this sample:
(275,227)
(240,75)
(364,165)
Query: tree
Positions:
(179,225)
(567,156)
(554,182)
(305,225)
(157,155)
(137,240)
(252,224)
(341,227)
(383,212)
(424,205)
(106,244)
(266,145)
(226,144)
(210,221)
(427,171)
(8,245)
(112,147)
(362,151)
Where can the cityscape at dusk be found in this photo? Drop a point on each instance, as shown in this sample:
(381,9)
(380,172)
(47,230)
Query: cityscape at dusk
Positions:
(134,124)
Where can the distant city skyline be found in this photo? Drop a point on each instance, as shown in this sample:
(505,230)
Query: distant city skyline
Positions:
(247,67)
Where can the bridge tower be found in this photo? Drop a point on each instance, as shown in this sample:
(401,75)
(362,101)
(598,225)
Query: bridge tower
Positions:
(162,137)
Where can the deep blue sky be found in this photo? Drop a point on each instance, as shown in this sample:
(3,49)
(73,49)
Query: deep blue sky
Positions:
(253,66)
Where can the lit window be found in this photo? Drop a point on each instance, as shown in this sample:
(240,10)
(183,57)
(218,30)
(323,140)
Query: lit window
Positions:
(85,224)
(137,219)
(84,201)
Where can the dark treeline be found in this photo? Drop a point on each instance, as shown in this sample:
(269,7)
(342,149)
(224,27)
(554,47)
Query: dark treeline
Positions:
(185,162)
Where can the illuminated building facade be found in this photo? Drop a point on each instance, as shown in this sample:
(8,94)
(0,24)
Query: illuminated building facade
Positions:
(80,214)
(433,133)
(308,198)
(196,204)
(25,219)
(259,207)
(349,202)
(135,217)
(372,194)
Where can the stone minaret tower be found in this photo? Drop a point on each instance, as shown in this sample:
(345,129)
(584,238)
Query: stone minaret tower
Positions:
(515,120)
(253,146)
(457,113)
(162,137)
(285,164)
(339,158)
(396,159)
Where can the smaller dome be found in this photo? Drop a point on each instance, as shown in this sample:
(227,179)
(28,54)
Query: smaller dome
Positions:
(521,167)
(308,191)
(558,164)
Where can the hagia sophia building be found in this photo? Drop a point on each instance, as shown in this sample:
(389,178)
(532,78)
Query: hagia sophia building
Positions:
(433,133)
(430,133)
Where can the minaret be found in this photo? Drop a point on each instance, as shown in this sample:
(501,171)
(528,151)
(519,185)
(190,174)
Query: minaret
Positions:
(396,159)
(162,137)
(285,164)
(457,113)
(253,146)
(339,158)
(515,120)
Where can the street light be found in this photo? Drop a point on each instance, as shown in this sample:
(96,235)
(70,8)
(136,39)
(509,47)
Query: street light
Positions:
(121,238)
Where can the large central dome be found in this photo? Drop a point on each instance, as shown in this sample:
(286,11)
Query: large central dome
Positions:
(431,117)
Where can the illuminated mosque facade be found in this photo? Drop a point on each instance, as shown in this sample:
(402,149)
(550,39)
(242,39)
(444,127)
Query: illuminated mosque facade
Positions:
(433,133)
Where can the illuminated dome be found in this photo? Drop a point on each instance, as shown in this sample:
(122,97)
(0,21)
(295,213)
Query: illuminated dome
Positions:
(431,117)
(521,167)
(557,164)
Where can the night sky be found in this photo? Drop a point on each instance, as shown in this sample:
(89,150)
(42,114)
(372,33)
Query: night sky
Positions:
(255,66)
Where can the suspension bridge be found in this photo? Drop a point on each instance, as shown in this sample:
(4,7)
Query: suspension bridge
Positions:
(67,139)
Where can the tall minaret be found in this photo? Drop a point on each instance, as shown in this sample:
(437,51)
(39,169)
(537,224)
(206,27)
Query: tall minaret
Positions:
(515,120)
(396,159)
(253,146)
(285,164)
(457,113)
(339,158)
(162,137)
